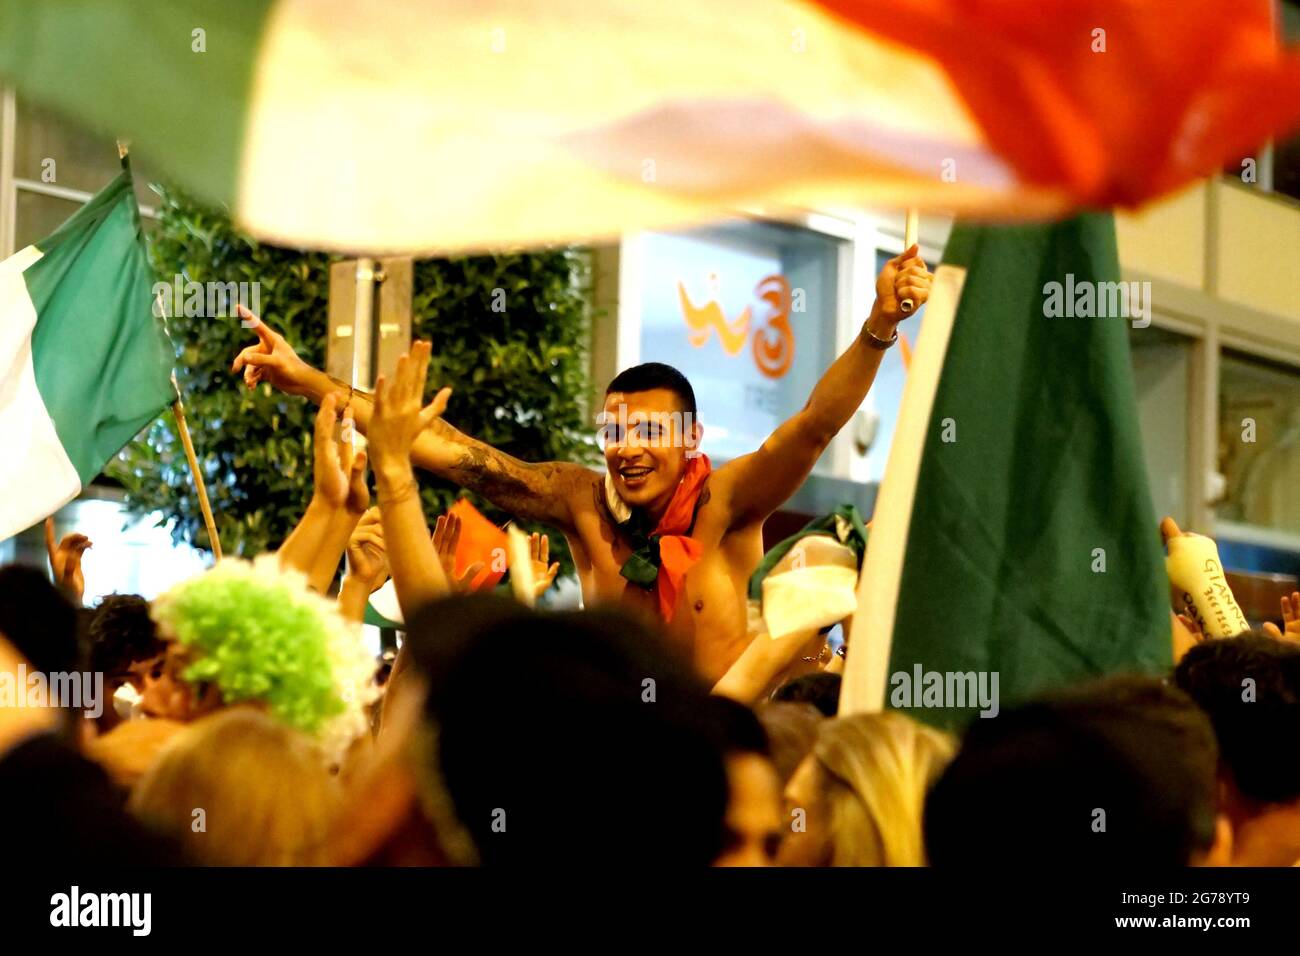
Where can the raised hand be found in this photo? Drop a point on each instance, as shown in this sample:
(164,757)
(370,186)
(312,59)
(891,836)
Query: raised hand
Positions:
(446,534)
(903,277)
(65,560)
(1290,620)
(395,420)
(339,473)
(367,558)
(539,550)
(399,413)
(271,360)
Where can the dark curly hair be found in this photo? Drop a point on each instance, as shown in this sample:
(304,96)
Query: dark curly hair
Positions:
(1249,685)
(120,633)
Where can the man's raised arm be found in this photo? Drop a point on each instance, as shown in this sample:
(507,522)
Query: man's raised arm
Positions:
(759,483)
(532,492)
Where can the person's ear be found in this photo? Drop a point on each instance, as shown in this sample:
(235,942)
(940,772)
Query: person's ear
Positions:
(697,435)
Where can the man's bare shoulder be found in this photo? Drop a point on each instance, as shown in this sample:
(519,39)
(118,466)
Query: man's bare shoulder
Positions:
(578,484)
(723,482)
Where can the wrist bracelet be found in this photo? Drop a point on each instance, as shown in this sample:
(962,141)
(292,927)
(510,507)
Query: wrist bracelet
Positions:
(878,343)
(352,389)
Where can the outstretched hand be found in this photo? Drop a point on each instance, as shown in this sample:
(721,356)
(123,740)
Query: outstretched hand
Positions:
(271,360)
(446,535)
(367,558)
(1290,620)
(539,550)
(65,559)
(399,415)
(339,471)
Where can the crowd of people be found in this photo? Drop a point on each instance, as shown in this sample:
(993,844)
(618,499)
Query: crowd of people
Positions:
(688,715)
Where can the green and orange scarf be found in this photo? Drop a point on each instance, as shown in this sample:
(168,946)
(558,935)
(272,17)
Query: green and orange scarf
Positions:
(664,553)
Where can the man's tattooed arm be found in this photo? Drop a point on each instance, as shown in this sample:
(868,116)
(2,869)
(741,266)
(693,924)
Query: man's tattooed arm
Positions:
(531,491)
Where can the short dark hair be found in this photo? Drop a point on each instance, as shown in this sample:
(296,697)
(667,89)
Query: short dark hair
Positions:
(122,633)
(648,375)
(38,620)
(1259,734)
(585,729)
(822,690)
(737,728)
(1027,786)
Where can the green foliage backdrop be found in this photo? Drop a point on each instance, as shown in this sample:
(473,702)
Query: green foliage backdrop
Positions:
(520,376)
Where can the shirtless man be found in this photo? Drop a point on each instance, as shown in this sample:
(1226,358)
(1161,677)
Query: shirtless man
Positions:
(688,560)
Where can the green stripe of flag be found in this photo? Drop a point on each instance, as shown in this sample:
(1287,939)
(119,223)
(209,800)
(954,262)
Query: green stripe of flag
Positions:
(1031,482)
(101,361)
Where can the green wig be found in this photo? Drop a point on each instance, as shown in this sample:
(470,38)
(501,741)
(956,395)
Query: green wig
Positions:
(260,635)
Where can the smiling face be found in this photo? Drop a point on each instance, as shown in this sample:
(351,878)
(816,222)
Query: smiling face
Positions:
(647,437)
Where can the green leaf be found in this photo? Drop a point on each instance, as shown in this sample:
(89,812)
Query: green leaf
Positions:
(520,376)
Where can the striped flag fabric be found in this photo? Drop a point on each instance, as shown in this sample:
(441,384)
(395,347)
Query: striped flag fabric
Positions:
(1014,534)
(416,127)
(84,364)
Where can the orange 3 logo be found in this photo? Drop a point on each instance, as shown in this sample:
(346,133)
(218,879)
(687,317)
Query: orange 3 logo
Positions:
(773,344)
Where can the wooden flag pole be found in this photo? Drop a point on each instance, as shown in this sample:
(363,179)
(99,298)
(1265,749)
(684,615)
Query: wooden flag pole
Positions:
(178,411)
(910,229)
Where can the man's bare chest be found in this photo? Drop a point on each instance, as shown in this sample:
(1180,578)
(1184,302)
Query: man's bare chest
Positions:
(708,621)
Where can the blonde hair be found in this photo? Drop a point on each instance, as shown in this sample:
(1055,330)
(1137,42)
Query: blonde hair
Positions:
(876,770)
(265,791)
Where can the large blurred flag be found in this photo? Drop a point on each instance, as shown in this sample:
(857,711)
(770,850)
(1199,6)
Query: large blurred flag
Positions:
(1014,531)
(424,127)
(83,363)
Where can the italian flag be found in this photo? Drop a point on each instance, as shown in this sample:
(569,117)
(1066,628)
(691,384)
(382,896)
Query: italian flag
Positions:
(417,127)
(84,364)
(1013,533)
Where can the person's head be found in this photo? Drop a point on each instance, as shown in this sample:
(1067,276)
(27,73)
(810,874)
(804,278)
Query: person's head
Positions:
(121,634)
(40,627)
(1249,686)
(857,799)
(649,426)
(38,620)
(261,790)
(251,632)
(821,689)
(752,829)
(122,639)
(165,691)
(791,732)
(1118,771)
(562,736)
